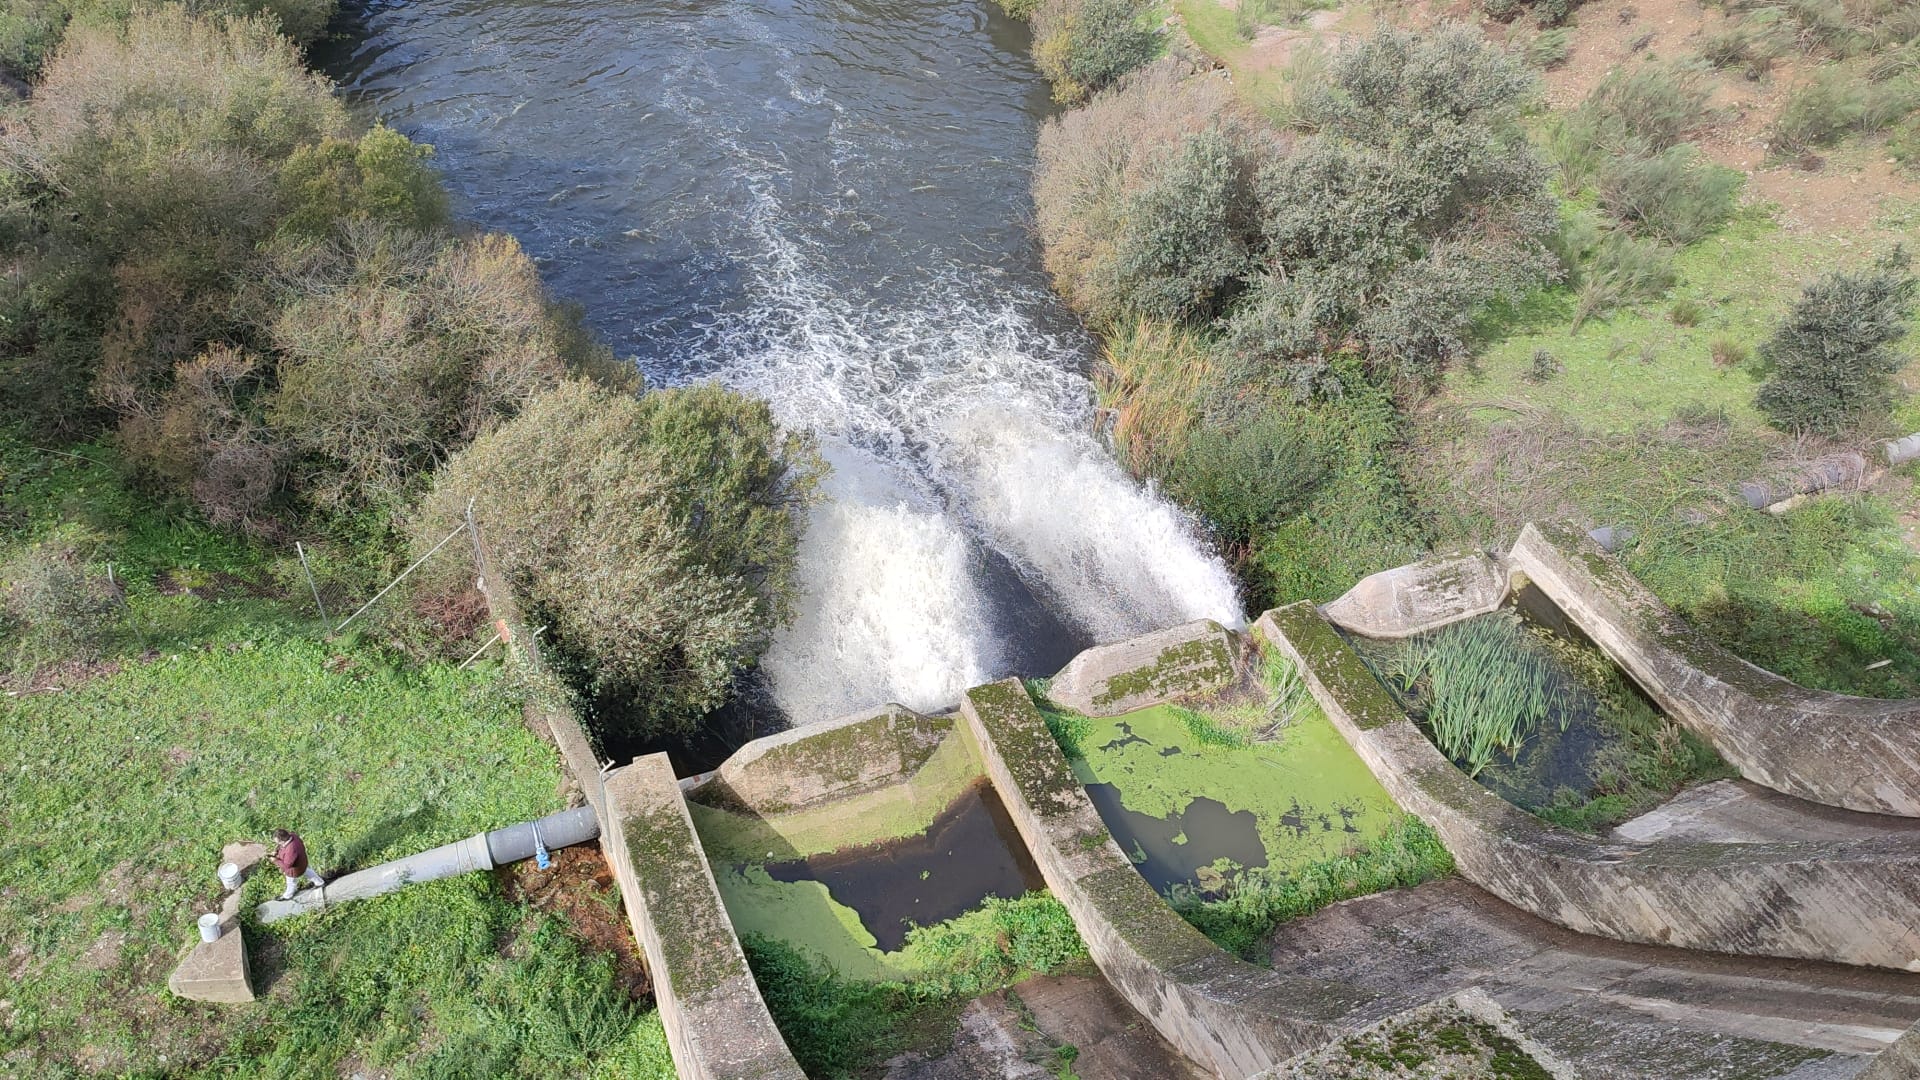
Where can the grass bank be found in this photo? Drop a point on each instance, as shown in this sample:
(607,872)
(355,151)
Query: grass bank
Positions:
(209,711)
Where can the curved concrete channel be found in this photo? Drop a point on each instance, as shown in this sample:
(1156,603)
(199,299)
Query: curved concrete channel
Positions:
(1727,867)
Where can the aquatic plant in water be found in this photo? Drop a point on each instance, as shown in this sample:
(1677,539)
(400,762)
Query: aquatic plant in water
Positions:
(1486,684)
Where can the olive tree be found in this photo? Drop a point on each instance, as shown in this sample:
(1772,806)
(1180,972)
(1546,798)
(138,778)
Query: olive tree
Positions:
(656,534)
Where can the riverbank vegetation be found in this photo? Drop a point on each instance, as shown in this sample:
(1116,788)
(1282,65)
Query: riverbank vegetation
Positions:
(234,317)
(1380,283)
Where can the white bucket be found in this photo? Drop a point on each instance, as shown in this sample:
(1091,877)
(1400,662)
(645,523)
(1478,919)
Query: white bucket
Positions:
(230,875)
(210,927)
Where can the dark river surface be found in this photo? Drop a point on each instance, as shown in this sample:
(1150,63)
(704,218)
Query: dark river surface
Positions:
(823,202)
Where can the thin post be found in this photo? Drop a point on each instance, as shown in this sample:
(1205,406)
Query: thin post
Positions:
(476,653)
(457,530)
(302,552)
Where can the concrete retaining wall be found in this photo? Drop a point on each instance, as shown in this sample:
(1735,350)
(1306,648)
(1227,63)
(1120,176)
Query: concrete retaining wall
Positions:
(717,1023)
(1421,597)
(1229,1016)
(1858,753)
(1854,903)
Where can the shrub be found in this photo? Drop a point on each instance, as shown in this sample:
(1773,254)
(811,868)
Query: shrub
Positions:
(148,156)
(1185,240)
(383,178)
(1836,104)
(1083,46)
(657,534)
(1550,48)
(1247,474)
(1635,112)
(1834,357)
(1676,195)
(1542,367)
(396,350)
(1608,268)
(1116,168)
(52,606)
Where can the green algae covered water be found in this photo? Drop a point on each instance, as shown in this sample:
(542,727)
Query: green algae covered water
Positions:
(1190,815)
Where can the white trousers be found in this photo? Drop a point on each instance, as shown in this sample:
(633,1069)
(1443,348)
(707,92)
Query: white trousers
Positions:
(293,883)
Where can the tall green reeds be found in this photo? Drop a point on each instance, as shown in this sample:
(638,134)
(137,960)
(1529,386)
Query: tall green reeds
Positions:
(1487,684)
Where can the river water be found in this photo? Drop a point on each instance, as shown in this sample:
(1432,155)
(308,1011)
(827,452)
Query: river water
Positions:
(823,202)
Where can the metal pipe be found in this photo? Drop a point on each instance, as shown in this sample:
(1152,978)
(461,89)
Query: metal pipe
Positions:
(481,851)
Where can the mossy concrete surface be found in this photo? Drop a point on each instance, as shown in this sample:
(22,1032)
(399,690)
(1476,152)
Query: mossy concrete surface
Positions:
(818,763)
(717,1024)
(1855,753)
(1226,1015)
(1856,902)
(1421,597)
(735,827)
(1193,658)
(1310,795)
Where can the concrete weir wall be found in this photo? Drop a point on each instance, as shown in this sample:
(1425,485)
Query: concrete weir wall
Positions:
(1857,753)
(1232,1018)
(717,1024)
(1846,902)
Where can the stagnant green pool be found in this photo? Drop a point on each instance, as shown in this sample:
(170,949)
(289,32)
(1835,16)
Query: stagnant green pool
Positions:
(1190,813)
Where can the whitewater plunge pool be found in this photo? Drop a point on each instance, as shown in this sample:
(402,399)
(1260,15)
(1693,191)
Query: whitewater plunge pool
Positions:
(826,203)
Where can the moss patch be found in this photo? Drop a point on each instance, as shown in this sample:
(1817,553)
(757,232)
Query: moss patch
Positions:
(1190,667)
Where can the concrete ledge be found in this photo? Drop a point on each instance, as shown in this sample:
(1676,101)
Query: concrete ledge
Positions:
(1107,680)
(1857,753)
(1226,1015)
(813,764)
(1855,903)
(717,1023)
(1420,597)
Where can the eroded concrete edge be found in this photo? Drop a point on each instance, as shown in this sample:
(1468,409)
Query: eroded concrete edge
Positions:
(1854,903)
(717,1024)
(1857,753)
(1421,597)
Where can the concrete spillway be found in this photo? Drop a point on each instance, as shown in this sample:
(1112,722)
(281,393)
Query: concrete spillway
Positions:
(481,851)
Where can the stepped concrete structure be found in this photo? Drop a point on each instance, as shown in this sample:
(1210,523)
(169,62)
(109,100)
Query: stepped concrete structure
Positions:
(1748,929)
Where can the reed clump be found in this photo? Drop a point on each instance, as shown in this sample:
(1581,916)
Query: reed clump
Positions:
(1486,685)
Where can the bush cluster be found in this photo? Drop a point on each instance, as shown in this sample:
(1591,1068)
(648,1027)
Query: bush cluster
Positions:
(269,308)
(271,313)
(30,30)
(1414,205)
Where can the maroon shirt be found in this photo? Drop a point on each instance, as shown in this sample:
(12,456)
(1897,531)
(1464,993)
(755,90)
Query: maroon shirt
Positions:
(291,855)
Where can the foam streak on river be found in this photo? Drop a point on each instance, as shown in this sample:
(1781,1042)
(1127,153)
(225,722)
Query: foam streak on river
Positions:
(823,202)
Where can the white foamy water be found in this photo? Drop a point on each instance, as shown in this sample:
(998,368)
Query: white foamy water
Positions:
(821,203)
(954,423)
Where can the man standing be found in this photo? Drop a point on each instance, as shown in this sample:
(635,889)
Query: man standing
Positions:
(290,853)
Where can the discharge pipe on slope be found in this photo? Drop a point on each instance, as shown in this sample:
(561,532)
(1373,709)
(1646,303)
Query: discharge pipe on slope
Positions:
(482,851)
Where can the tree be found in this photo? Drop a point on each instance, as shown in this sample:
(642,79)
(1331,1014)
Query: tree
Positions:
(1834,358)
(656,534)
